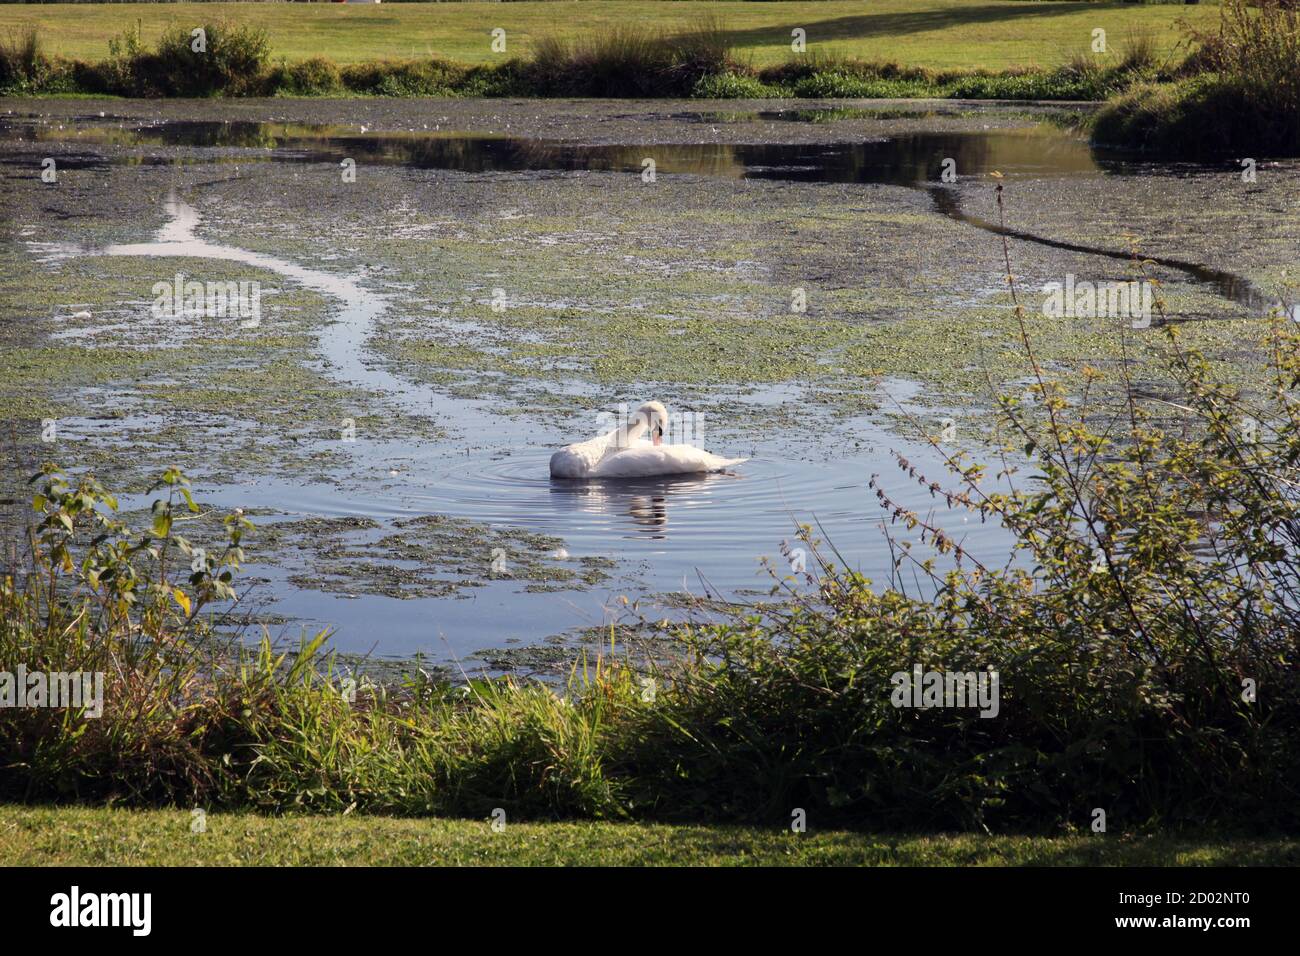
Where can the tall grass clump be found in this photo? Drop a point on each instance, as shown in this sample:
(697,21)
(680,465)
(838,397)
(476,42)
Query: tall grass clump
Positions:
(703,49)
(629,61)
(1238,90)
(1139,53)
(420,746)
(23,64)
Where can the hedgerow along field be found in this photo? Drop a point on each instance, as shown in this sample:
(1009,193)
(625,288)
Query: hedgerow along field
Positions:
(937,34)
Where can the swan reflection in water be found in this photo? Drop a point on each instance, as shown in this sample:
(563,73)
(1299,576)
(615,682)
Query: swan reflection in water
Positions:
(643,500)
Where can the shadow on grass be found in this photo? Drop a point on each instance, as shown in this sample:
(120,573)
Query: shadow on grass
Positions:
(862,26)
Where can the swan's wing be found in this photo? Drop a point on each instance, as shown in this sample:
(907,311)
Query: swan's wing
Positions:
(691,458)
(648,460)
(578,460)
(581,459)
(639,461)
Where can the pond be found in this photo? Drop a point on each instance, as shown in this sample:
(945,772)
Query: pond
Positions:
(525,558)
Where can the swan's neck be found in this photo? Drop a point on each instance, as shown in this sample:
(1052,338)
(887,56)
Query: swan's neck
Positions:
(625,436)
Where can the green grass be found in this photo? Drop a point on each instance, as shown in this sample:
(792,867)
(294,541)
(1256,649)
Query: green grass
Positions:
(939,34)
(40,836)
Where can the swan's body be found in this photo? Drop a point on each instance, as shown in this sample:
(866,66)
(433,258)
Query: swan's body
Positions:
(644,459)
(626,453)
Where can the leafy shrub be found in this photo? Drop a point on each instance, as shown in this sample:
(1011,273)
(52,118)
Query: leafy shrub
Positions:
(99,596)
(430,77)
(504,79)
(234,62)
(734,86)
(120,73)
(312,77)
(231,62)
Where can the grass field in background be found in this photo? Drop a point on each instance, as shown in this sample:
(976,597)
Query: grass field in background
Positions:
(933,33)
(76,836)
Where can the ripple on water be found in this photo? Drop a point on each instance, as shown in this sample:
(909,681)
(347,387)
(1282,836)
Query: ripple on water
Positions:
(720,525)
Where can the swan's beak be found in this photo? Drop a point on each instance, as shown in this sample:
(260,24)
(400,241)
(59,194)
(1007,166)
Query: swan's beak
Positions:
(659,434)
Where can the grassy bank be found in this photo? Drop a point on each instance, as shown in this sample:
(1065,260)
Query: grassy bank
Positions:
(71,836)
(1239,94)
(933,34)
(699,59)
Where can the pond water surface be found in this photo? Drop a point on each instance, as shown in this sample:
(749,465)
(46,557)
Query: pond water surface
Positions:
(696,534)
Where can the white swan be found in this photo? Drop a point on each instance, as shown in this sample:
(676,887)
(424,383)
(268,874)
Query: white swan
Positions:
(625,453)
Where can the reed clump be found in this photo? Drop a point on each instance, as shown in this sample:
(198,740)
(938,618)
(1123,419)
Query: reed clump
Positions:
(24,66)
(631,61)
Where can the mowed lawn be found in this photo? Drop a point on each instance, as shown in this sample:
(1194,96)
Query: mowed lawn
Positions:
(936,33)
(35,836)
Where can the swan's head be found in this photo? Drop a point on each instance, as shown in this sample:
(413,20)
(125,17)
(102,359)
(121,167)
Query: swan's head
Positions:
(655,417)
